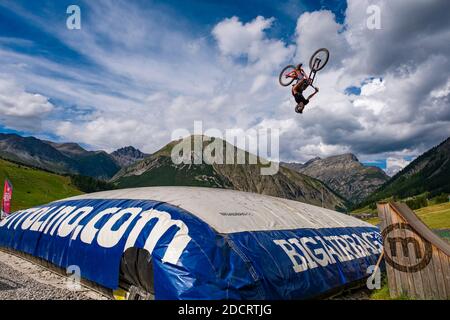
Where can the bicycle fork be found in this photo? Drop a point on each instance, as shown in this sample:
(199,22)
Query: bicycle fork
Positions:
(312,73)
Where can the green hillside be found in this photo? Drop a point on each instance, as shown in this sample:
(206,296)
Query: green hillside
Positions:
(34,187)
(62,158)
(429,174)
(167,175)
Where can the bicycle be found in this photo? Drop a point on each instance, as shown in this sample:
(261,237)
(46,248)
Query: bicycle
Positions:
(316,63)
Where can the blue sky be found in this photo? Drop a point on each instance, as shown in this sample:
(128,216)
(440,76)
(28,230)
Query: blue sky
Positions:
(200,16)
(138,70)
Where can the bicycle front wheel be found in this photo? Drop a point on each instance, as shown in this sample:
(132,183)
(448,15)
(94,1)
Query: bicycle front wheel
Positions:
(319,59)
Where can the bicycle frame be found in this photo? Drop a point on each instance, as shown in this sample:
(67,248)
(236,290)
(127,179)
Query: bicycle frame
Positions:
(294,74)
(312,74)
(297,75)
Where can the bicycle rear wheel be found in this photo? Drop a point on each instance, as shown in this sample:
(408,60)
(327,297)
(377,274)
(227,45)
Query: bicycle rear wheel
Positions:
(284,78)
(319,59)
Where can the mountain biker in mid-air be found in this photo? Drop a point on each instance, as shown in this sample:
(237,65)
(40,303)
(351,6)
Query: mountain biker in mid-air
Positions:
(299,87)
(293,73)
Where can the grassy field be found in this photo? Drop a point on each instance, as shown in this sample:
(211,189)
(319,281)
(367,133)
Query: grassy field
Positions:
(34,187)
(383,293)
(365,209)
(435,216)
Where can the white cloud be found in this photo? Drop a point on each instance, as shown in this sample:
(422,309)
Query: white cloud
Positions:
(371,97)
(106,133)
(319,29)
(394,165)
(441,92)
(258,83)
(372,87)
(236,38)
(21,109)
(373,105)
(322,150)
(16,102)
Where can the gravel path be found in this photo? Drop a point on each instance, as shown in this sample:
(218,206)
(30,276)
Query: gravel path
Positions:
(23,280)
(357,294)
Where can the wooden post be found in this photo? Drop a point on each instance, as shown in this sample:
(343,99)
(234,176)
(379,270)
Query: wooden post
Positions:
(417,260)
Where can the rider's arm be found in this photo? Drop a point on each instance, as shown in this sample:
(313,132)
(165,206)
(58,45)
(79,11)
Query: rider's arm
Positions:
(303,73)
(314,93)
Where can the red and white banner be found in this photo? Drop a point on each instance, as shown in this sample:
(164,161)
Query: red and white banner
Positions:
(7,195)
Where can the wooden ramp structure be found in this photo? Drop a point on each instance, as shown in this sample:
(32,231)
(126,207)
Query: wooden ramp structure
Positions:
(417,260)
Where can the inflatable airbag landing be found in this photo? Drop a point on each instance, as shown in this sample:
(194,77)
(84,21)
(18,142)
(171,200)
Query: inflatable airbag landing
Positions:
(202,243)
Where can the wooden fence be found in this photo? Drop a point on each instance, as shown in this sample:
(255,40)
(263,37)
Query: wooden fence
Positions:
(417,260)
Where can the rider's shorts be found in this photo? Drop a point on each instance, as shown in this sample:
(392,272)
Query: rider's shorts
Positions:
(300,98)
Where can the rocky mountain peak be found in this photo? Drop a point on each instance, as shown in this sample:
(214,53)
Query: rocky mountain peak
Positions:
(342,157)
(128,155)
(350,157)
(311,161)
(344,174)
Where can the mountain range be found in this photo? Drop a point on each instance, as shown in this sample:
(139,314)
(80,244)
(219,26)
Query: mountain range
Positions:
(344,174)
(129,167)
(62,157)
(336,182)
(159,169)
